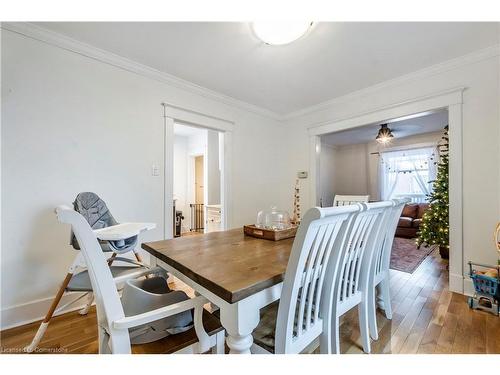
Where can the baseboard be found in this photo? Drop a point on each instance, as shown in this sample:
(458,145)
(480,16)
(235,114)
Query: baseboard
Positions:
(30,312)
(468,287)
(461,284)
(456,282)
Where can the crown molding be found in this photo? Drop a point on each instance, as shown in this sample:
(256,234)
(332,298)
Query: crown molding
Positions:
(55,39)
(441,99)
(50,37)
(471,58)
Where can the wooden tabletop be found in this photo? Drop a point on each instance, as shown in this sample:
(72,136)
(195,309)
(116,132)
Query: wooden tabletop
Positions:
(229,264)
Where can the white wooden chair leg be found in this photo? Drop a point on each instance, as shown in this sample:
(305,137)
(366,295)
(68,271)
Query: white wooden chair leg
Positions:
(335,336)
(385,295)
(372,313)
(220,340)
(103,341)
(364,325)
(325,346)
(120,342)
(329,339)
(326,337)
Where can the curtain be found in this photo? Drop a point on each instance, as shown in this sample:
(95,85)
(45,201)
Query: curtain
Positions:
(424,160)
(419,163)
(389,179)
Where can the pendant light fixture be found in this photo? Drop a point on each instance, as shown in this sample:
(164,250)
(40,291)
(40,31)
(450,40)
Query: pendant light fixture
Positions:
(384,134)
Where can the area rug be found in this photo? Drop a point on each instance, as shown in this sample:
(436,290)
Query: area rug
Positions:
(405,256)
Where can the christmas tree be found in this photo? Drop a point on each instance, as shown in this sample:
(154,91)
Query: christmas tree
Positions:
(434,228)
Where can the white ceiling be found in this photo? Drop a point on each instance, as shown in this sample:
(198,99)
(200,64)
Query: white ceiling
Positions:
(332,60)
(418,125)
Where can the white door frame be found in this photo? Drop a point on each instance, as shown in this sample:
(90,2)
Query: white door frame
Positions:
(453,101)
(171,114)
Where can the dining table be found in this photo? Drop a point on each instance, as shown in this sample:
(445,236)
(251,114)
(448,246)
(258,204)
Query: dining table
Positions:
(237,273)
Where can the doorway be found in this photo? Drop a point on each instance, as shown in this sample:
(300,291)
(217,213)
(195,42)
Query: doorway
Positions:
(452,102)
(400,158)
(224,129)
(197,179)
(410,155)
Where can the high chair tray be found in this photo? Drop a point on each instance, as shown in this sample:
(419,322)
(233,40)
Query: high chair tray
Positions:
(122,231)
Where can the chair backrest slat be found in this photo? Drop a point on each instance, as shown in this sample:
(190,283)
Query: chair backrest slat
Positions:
(359,251)
(305,302)
(319,232)
(352,253)
(320,236)
(314,267)
(383,255)
(330,263)
(314,296)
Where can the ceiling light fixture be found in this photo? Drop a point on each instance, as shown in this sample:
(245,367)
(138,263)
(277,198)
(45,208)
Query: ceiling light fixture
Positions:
(279,33)
(384,134)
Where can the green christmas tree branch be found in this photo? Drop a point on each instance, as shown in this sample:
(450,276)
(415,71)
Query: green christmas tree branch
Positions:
(435,226)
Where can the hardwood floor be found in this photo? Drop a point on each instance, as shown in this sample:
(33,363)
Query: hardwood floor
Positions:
(427,318)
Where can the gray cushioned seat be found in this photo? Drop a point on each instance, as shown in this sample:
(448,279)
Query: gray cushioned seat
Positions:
(264,333)
(97,214)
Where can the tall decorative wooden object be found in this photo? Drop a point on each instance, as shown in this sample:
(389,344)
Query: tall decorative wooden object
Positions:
(296,204)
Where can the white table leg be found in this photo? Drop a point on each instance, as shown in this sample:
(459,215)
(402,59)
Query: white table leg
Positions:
(239,320)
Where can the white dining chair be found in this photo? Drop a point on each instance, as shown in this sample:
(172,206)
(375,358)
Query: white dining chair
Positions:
(297,320)
(379,274)
(345,200)
(351,287)
(113,325)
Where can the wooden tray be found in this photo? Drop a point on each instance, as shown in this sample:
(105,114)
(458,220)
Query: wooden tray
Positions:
(268,234)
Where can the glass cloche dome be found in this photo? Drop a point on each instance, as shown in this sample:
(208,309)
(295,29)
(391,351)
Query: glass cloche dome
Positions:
(273,219)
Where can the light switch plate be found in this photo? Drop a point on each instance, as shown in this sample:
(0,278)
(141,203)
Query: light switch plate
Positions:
(155,171)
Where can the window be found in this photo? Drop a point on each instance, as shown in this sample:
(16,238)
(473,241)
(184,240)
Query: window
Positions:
(408,173)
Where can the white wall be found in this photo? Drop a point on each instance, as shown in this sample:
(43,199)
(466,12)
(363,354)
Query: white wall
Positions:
(213,172)
(343,169)
(181,177)
(327,167)
(197,142)
(481,185)
(71,124)
(351,173)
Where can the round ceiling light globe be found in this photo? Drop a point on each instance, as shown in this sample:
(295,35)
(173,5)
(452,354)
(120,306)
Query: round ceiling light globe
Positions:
(279,33)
